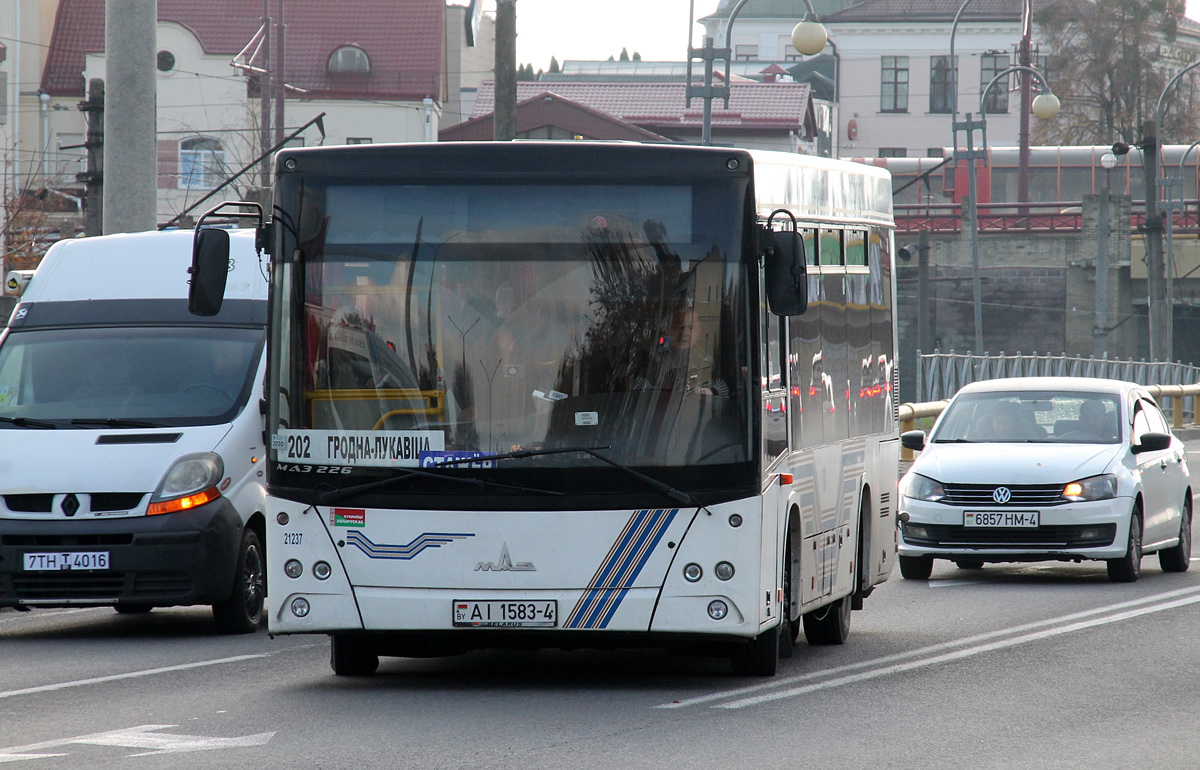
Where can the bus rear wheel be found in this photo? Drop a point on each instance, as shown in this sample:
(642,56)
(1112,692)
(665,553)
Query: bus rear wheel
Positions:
(352,655)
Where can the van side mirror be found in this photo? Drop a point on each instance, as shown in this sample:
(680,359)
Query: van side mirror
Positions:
(1151,442)
(913,439)
(785,271)
(209,271)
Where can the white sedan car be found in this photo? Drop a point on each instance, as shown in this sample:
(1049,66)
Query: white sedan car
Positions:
(1047,468)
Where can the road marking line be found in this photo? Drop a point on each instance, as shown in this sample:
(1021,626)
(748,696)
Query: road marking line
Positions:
(928,650)
(25,616)
(141,737)
(958,654)
(130,675)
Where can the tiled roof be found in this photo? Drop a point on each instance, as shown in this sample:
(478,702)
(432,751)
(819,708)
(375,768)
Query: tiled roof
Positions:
(549,109)
(776,9)
(891,11)
(661,106)
(404,41)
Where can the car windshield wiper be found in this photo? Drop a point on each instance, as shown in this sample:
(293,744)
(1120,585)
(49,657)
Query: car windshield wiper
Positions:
(675,494)
(334,495)
(117,422)
(955,441)
(27,422)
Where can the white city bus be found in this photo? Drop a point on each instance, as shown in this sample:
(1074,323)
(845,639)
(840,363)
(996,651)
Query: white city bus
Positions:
(575,395)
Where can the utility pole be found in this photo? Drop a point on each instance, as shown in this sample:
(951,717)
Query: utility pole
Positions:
(1155,280)
(504,121)
(1025,59)
(277,76)
(130,116)
(93,177)
(264,96)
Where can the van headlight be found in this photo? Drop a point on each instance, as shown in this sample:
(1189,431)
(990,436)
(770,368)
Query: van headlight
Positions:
(1092,488)
(191,481)
(920,487)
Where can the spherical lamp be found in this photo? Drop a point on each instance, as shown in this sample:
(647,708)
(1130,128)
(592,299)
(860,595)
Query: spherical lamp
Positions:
(1046,106)
(809,36)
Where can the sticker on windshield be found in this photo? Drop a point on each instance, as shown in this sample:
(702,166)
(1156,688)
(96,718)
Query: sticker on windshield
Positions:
(4,391)
(374,448)
(457,459)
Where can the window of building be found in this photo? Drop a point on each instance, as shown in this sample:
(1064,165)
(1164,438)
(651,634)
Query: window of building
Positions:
(893,152)
(941,84)
(201,162)
(787,51)
(893,95)
(359,140)
(349,59)
(745,52)
(997,98)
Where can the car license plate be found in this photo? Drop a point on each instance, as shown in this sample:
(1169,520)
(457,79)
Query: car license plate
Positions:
(542,613)
(1001,519)
(69,560)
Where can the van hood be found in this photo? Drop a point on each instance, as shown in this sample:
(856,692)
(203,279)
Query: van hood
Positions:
(1014,463)
(35,460)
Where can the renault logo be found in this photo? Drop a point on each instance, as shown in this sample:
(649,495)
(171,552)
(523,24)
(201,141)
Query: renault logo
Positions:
(1002,495)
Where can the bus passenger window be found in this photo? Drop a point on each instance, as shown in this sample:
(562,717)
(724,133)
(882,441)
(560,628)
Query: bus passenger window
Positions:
(856,248)
(831,247)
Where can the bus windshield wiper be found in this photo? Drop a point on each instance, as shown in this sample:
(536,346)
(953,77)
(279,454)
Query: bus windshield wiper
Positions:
(675,494)
(116,422)
(27,422)
(332,496)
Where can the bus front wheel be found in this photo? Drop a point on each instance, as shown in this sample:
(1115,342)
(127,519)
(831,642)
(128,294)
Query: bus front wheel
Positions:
(352,655)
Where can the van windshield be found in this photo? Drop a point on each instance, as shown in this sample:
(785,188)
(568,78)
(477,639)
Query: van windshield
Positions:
(169,376)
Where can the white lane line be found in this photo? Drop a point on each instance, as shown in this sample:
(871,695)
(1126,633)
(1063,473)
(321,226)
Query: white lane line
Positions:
(957,655)
(25,616)
(928,650)
(130,675)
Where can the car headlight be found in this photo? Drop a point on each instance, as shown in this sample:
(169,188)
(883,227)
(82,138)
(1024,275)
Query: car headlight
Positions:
(1092,488)
(191,481)
(920,487)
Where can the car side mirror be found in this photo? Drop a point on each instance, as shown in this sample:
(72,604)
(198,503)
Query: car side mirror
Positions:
(209,271)
(784,270)
(1151,442)
(913,439)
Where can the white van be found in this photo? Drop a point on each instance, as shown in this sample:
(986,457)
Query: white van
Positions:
(131,432)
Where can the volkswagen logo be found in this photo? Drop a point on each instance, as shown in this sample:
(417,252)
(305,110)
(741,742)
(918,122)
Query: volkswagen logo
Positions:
(1002,495)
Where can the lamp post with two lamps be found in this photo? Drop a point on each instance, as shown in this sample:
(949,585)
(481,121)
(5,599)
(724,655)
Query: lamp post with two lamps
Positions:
(1045,107)
(1100,324)
(808,37)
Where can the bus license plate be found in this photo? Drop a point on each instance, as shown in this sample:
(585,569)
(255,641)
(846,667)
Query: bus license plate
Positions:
(542,613)
(1001,519)
(51,562)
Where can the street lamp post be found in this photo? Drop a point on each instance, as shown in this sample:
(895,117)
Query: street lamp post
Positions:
(1100,324)
(1159,308)
(1045,107)
(808,37)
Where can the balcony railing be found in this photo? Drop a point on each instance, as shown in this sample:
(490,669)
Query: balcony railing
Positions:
(1053,216)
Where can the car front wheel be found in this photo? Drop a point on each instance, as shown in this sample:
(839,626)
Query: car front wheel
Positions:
(242,612)
(916,567)
(1127,568)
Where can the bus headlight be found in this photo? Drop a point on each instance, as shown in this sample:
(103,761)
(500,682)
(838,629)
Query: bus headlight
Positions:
(692,573)
(717,609)
(300,606)
(322,570)
(293,568)
(723,570)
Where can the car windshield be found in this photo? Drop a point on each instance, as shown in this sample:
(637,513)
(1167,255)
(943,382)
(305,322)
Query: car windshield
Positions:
(167,376)
(1052,417)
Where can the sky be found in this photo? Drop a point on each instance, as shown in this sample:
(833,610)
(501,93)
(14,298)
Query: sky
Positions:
(589,30)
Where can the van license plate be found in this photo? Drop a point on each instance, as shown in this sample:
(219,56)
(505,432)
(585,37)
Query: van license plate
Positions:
(1001,519)
(542,613)
(70,560)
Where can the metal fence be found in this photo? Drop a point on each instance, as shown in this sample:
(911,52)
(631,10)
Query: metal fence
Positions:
(940,375)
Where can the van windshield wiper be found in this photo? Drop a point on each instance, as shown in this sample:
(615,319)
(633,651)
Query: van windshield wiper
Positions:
(27,422)
(675,494)
(334,495)
(117,422)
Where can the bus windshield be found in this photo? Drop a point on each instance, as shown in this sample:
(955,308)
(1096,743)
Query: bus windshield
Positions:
(435,321)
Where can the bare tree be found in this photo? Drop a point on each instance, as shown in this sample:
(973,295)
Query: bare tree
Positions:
(1109,66)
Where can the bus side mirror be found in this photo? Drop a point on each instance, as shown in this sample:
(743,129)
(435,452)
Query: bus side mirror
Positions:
(209,271)
(785,272)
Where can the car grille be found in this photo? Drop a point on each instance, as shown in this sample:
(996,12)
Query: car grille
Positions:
(100,586)
(56,541)
(1048,537)
(1022,494)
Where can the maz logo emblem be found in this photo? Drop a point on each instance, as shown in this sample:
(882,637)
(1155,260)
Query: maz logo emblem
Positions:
(506,564)
(1002,495)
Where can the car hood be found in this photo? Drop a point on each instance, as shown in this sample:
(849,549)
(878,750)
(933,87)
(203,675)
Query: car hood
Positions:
(1014,463)
(52,461)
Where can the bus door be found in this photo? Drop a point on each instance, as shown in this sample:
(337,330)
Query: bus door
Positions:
(775,448)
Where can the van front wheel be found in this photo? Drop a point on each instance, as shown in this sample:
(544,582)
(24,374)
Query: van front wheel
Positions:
(242,612)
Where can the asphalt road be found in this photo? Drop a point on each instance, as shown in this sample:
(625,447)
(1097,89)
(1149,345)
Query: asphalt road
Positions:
(1021,666)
